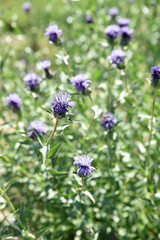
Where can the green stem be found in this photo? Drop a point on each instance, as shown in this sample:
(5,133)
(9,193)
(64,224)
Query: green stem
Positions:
(91,122)
(152,115)
(54,130)
(4,195)
(83,184)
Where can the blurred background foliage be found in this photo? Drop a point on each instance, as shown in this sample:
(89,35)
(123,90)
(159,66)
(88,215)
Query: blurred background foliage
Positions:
(117,202)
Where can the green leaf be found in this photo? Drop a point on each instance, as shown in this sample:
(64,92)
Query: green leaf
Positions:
(13,180)
(57,173)
(54,150)
(40,138)
(48,110)
(87,193)
(44,151)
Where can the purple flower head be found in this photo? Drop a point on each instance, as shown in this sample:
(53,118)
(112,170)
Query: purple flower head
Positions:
(117,56)
(53,32)
(108,120)
(45,64)
(155,74)
(88,19)
(14,101)
(31,80)
(27,6)
(126,33)
(123,22)
(61,104)
(84,163)
(81,82)
(112,31)
(113,12)
(37,126)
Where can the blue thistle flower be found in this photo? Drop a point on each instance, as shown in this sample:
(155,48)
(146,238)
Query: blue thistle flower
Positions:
(81,82)
(112,31)
(84,163)
(37,126)
(27,6)
(14,101)
(108,121)
(123,22)
(113,12)
(117,56)
(61,104)
(155,74)
(88,19)
(32,80)
(53,32)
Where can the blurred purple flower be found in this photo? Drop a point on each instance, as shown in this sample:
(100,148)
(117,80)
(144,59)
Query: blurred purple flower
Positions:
(81,82)
(45,64)
(155,74)
(53,32)
(123,22)
(37,126)
(27,6)
(61,104)
(108,120)
(112,31)
(113,12)
(32,80)
(14,101)
(84,163)
(117,56)
(88,19)
(126,33)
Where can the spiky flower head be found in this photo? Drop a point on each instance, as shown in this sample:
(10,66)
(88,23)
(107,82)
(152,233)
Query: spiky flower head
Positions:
(37,126)
(32,80)
(14,101)
(113,12)
(117,56)
(53,32)
(123,22)
(27,6)
(61,103)
(155,74)
(112,31)
(81,82)
(108,121)
(84,163)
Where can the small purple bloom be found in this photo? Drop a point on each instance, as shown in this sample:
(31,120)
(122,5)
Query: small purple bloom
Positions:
(155,74)
(45,64)
(32,80)
(126,33)
(123,22)
(37,126)
(81,82)
(61,104)
(88,19)
(108,120)
(117,56)
(14,101)
(84,163)
(112,31)
(113,12)
(53,32)
(27,6)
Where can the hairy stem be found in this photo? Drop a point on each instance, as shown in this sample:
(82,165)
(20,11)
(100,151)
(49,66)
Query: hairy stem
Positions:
(54,130)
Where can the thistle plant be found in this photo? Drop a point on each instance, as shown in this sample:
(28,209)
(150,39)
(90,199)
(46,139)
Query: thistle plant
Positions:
(60,106)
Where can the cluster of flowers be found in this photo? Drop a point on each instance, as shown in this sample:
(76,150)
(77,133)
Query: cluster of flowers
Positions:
(62,102)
